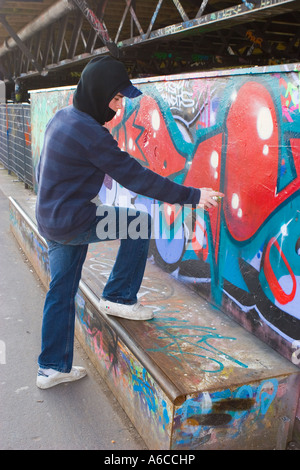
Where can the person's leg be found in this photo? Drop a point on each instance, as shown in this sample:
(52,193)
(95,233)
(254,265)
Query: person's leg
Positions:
(59,310)
(66,261)
(133,228)
(127,274)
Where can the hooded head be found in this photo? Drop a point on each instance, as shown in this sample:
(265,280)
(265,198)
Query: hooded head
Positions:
(100,81)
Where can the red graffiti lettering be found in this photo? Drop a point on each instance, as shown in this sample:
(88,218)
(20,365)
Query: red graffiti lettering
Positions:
(279,294)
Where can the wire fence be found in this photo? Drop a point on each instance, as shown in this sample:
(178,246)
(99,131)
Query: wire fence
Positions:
(15,141)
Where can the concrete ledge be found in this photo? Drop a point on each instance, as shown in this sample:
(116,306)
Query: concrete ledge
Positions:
(191,378)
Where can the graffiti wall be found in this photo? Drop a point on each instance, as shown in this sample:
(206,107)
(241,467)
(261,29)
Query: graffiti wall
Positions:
(237,132)
(44,104)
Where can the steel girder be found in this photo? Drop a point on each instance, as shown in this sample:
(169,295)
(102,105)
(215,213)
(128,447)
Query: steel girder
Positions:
(70,32)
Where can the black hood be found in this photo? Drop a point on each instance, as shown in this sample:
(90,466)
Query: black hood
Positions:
(100,81)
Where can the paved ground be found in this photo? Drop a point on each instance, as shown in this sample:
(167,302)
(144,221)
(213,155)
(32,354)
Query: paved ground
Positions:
(77,416)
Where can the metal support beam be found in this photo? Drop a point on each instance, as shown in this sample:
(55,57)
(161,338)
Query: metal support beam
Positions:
(227,18)
(54,13)
(68,38)
(60,38)
(75,35)
(99,26)
(92,37)
(20,44)
(134,17)
(154,16)
(181,10)
(122,21)
(202,8)
(48,45)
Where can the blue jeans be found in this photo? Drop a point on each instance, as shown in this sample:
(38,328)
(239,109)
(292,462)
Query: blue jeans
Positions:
(66,260)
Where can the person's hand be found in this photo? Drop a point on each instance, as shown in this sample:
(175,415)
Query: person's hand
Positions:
(209,198)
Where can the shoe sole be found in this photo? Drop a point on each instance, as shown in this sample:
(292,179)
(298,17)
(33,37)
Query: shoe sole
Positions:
(129,317)
(58,381)
(123,315)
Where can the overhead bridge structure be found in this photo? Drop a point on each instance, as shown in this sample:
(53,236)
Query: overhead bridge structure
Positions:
(47,43)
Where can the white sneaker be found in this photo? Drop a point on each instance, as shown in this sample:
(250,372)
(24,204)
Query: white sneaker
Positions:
(131,312)
(47,378)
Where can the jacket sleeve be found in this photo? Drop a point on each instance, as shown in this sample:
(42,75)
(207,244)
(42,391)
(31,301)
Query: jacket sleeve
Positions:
(107,156)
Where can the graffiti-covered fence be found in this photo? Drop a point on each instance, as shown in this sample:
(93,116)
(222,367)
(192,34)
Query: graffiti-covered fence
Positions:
(15,140)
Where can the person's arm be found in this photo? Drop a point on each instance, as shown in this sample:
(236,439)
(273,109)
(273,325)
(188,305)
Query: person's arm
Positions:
(127,171)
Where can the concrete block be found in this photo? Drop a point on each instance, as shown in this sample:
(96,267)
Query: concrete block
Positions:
(191,378)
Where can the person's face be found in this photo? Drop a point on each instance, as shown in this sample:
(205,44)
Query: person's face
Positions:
(116,103)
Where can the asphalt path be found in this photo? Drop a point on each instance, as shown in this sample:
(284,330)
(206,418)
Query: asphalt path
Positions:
(83,415)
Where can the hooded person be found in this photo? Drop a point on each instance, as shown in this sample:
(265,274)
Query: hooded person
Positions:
(100,81)
(77,153)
